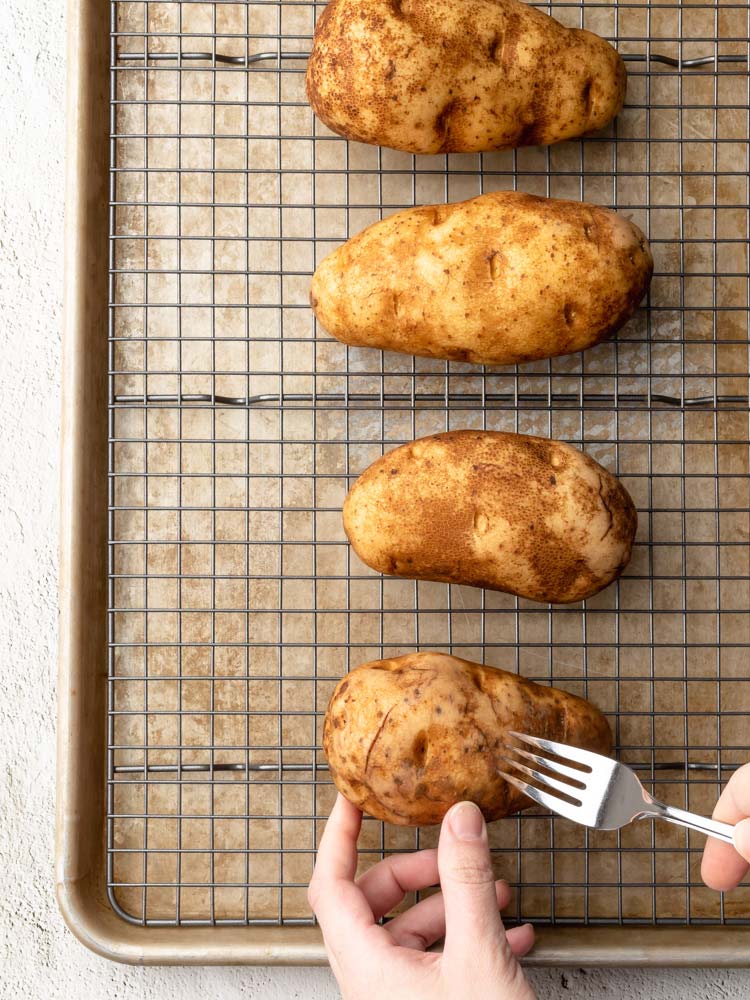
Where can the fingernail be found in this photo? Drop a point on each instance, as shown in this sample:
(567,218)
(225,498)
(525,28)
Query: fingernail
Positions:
(467,821)
(742,838)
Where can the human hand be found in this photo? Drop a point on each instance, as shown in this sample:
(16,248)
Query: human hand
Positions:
(373,961)
(724,866)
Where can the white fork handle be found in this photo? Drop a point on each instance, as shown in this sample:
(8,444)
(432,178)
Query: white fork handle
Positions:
(711,827)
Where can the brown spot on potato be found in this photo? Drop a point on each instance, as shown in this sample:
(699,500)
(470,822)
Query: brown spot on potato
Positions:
(376,737)
(608,509)
(419,749)
(527,134)
(495,260)
(586,97)
(569,313)
(495,50)
(443,126)
(481,523)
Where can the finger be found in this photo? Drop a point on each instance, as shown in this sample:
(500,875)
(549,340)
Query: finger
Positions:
(521,939)
(337,854)
(742,839)
(335,899)
(724,867)
(473,928)
(424,924)
(386,884)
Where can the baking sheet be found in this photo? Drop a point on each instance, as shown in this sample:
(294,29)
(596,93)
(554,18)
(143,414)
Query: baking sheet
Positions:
(235,604)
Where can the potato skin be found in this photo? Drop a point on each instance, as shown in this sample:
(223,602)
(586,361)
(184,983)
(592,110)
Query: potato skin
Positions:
(509,512)
(501,279)
(459,76)
(407,738)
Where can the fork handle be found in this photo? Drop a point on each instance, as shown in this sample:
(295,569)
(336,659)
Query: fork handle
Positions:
(711,827)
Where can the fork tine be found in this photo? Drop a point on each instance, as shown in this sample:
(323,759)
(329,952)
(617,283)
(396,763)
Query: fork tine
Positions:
(545,779)
(584,757)
(550,802)
(550,765)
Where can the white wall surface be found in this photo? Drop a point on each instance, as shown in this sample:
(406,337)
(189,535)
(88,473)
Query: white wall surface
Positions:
(40,958)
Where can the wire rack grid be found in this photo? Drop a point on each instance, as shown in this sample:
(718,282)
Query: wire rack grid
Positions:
(236,427)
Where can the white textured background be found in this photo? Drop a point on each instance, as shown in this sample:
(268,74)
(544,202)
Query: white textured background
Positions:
(40,958)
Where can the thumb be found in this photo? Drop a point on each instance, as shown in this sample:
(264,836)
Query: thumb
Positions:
(473,927)
(742,838)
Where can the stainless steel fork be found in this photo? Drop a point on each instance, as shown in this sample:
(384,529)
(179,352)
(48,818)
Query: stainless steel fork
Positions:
(591,789)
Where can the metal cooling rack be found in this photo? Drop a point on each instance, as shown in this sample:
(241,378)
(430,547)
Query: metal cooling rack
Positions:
(236,426)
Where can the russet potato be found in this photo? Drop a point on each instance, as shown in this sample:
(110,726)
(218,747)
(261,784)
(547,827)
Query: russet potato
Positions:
(406,738)
(509,512)
(501,279)
(459,76)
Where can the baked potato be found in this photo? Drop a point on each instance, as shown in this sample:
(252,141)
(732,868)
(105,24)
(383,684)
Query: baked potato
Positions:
(459,76)
(500,279)
(407,738)
(509,512)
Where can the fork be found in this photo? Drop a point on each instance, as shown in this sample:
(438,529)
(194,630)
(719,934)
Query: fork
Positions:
(590,789)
